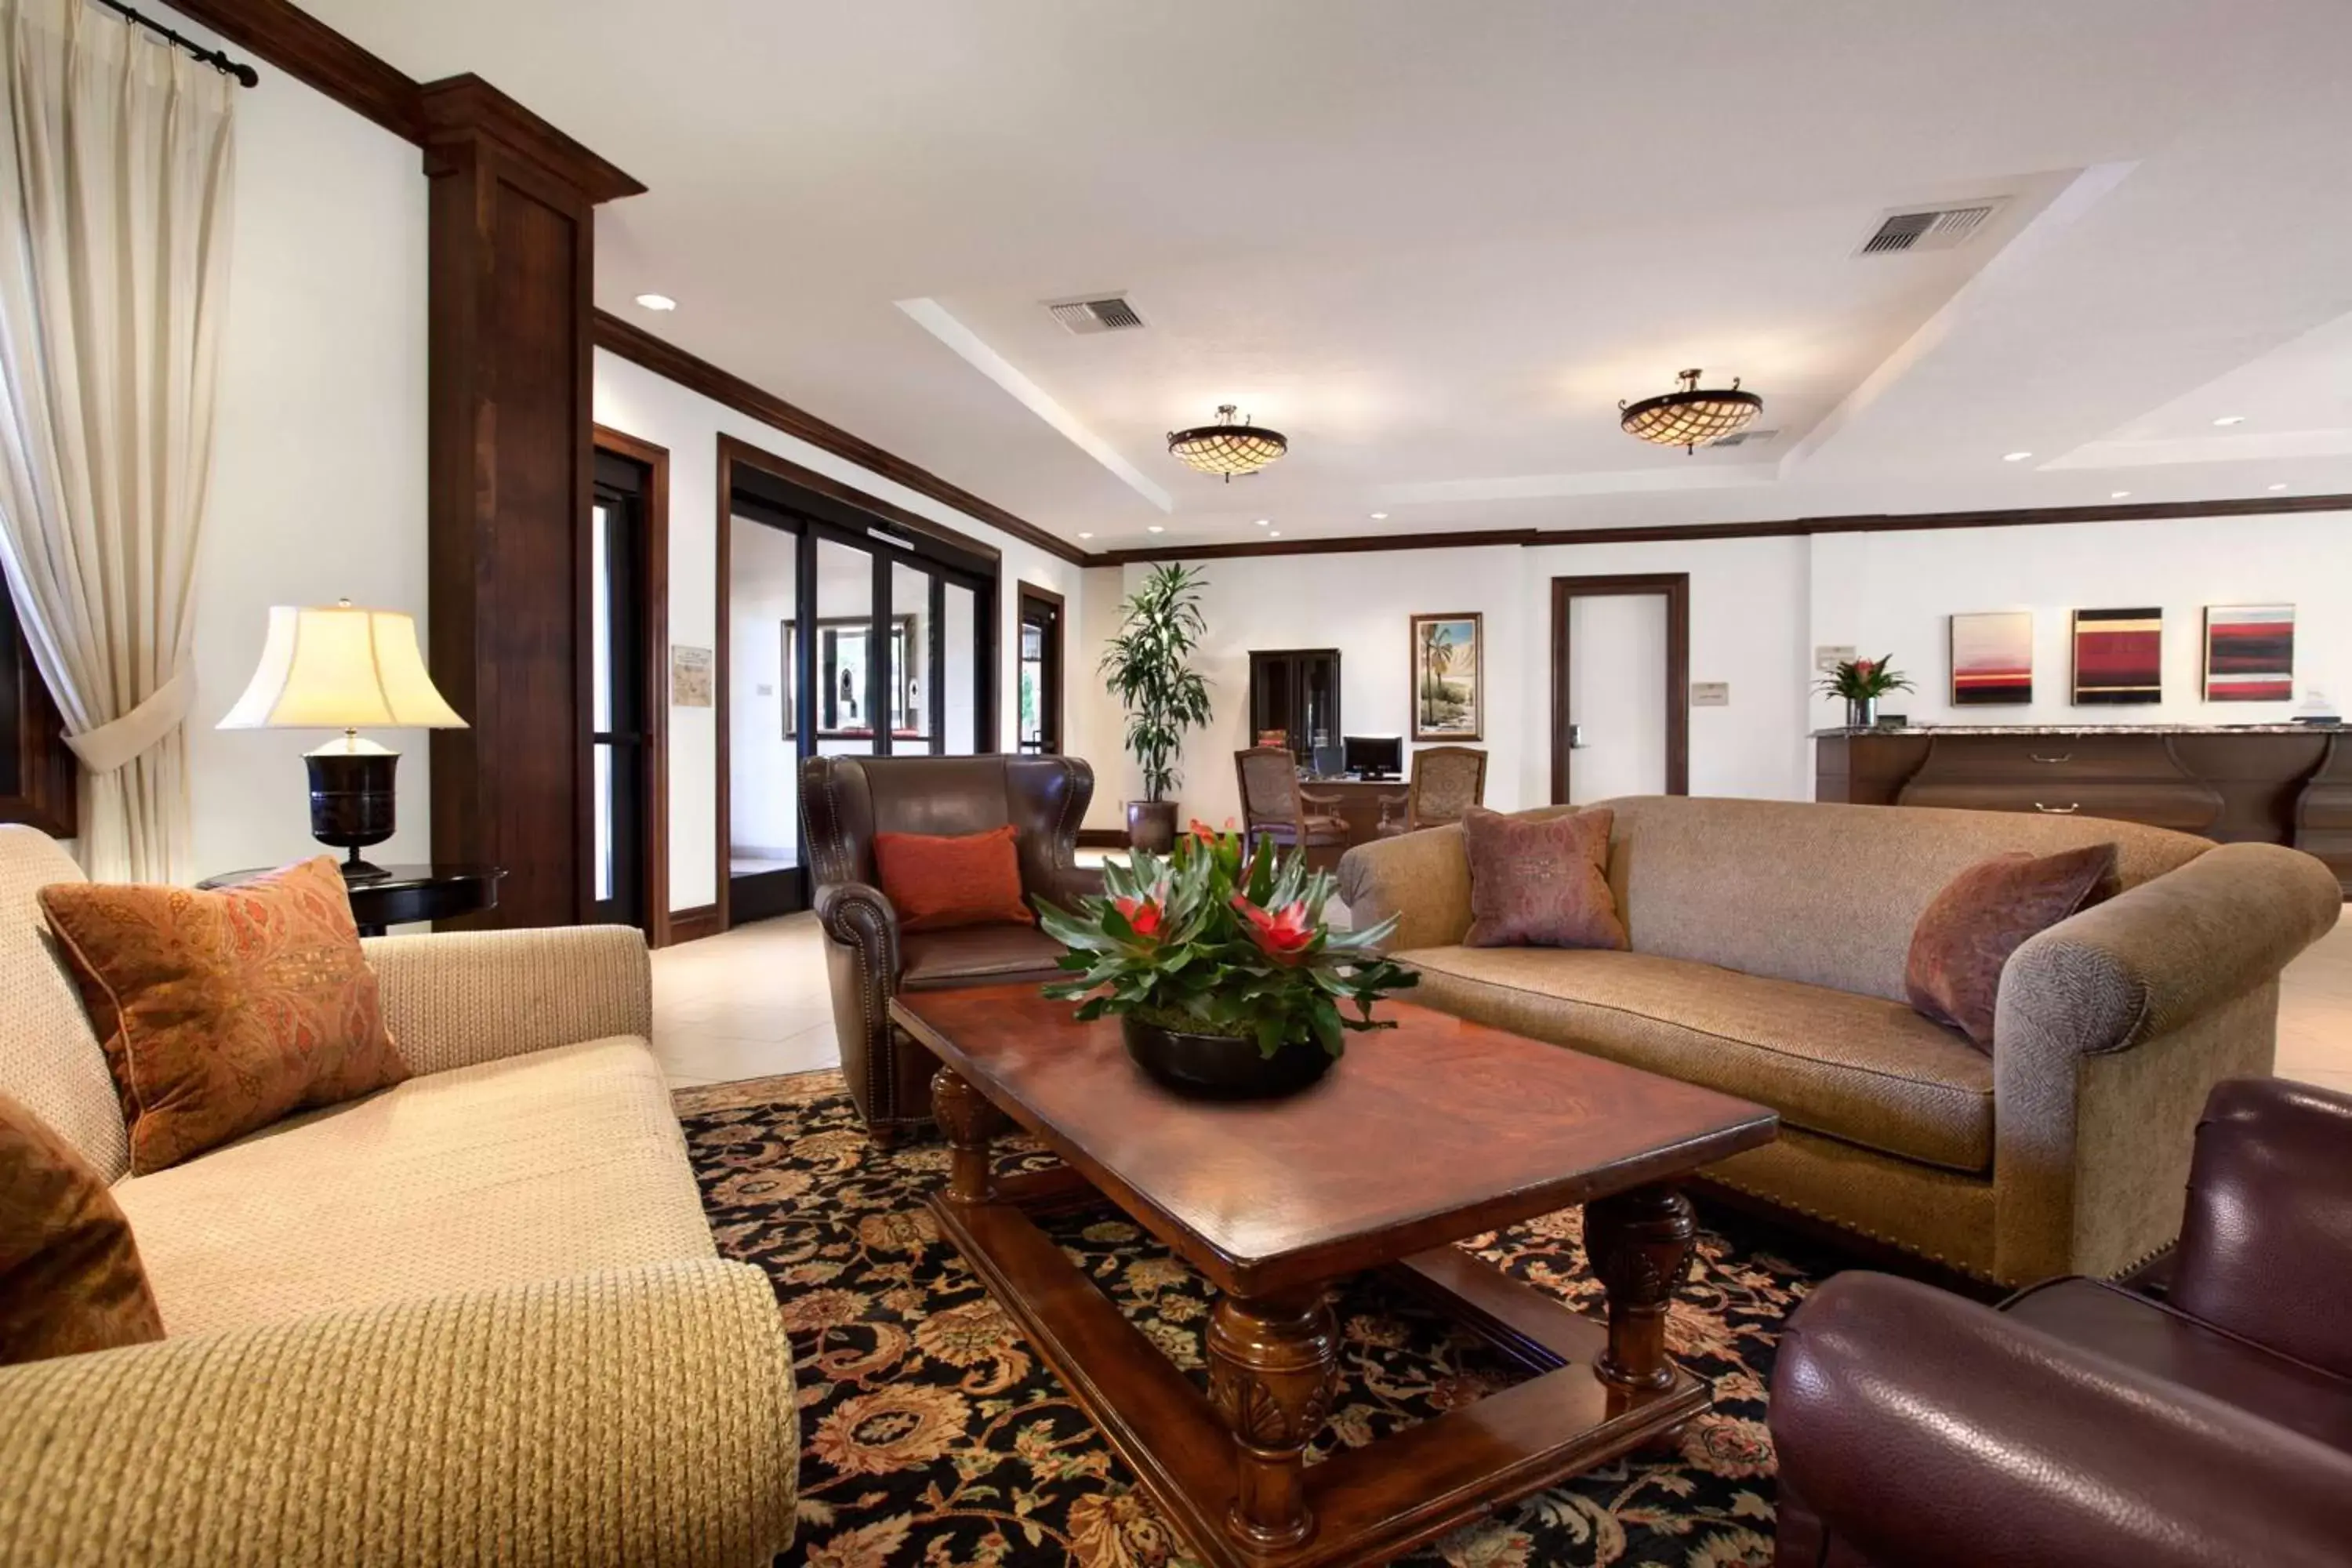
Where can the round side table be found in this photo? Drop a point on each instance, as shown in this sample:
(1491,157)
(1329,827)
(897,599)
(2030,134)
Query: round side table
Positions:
(404,894)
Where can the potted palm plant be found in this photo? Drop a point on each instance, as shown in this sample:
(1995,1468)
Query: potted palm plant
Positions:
(1222,971)
(1148,667)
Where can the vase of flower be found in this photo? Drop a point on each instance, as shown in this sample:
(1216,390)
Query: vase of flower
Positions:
(1862,682)
(1226,980)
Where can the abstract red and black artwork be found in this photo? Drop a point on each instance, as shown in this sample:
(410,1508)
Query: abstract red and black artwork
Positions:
(2249,653)
(2118,656)
(1992,658)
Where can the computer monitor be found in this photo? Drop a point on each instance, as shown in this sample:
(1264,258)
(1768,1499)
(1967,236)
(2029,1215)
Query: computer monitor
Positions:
(1374,757)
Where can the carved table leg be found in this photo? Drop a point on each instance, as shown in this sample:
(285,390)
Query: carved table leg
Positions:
(1273,1368)
(1639,1244)
(970,1122)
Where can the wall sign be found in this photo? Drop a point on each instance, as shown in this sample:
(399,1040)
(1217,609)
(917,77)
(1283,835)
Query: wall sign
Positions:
(690,677)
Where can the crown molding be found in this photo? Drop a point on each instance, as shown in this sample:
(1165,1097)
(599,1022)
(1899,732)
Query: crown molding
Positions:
(310,51)
(459,109)
(666,359)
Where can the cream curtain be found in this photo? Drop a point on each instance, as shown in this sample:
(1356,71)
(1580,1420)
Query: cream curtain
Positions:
(115,172)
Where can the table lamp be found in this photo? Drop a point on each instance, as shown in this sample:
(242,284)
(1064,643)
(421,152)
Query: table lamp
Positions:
(338,669)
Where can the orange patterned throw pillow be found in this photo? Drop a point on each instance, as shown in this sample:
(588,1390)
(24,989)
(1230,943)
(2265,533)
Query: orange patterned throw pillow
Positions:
(1988,911)
(1541,883)
(70,1274)
(223,1012)
(939,883)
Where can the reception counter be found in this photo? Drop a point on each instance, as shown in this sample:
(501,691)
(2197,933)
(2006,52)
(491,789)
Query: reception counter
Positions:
(2269,783)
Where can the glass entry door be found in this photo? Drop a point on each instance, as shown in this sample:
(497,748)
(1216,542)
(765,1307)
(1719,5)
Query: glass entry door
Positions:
(619,738)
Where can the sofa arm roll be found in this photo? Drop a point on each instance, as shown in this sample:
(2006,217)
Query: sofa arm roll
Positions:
(2168,950)
(1930,1431)
(639,1416)
(1421,878)
(861,915)
(456,998)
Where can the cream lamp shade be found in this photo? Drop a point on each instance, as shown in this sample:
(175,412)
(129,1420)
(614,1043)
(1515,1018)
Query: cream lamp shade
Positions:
(340,668)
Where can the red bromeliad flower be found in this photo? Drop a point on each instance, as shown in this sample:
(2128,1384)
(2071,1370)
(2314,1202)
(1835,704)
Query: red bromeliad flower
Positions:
(1143,914)
(1862,666)
(1282,935)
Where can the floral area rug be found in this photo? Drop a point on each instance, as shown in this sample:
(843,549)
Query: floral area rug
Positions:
(933,1438)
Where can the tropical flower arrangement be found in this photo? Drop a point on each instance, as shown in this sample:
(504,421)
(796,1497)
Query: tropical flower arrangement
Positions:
(1205,942)
(1856,678)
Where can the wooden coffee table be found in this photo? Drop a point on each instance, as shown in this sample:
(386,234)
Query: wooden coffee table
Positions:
(1423,1135)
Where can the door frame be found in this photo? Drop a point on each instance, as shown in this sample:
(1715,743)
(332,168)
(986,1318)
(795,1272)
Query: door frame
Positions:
(654,867)
(1057,660)
(1675,586)
(823,505)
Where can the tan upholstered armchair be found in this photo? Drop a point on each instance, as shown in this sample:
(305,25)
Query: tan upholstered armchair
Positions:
(1276,806)
(477,1317)
(1446,781)
(844,802)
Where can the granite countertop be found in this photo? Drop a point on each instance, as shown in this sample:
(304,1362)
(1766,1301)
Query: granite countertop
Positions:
(2335,728)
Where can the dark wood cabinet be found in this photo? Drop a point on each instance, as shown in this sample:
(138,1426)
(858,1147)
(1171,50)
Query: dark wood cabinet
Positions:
(2266,785)
(1296,691)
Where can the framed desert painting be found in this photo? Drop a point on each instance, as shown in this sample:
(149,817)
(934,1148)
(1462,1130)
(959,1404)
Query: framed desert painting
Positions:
(1449,677)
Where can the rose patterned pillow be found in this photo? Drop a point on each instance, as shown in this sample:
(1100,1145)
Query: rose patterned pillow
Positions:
(1541,883)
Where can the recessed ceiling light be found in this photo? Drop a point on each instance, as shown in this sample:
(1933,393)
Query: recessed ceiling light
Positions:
(1154,528)
(1380,517)
(2015,456)
(2117,495)
(657,302)
(2230,419)
(1276,534)
(1085,536)
(1265,521)
(2278,487)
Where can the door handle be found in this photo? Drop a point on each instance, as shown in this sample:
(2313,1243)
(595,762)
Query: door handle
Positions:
(2061,757)
(2067,810)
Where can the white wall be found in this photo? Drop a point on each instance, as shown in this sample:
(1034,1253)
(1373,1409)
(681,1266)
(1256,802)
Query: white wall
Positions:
(318,487)
(630,398)
(1759,607)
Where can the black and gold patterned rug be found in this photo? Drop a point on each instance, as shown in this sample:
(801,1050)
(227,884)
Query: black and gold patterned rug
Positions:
(933,1438)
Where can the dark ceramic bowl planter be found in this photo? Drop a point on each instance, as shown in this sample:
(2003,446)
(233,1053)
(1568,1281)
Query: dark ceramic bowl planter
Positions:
(1151,825)
(1221,1067)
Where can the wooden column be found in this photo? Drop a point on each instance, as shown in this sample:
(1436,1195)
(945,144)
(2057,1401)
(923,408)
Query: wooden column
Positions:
(512,451)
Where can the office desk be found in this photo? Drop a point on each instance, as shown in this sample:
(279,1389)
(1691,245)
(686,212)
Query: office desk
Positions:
(1358,807)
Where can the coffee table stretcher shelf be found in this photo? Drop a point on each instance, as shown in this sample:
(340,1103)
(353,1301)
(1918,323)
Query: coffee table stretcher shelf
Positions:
(1229,1467)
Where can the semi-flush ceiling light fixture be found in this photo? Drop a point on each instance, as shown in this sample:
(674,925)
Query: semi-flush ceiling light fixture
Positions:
(1229,447)
(657,302)
(1691,416)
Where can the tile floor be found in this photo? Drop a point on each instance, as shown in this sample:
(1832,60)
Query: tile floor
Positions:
(754,1002)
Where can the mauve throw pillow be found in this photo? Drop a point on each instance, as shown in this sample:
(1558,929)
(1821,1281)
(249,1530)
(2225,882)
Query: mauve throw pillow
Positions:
(1968,931)
(69,1275)
(940,882)
(223,1012)
(1540,883)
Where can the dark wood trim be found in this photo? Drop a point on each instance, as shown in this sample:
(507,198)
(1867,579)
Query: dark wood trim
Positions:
(464,106)
(666,359)
(42,787)
(1102,838)
(1059,662)
(1675,587)
(656,460)
(882,512)
(313,53)
(722,715)
(694,924)
(1668,533)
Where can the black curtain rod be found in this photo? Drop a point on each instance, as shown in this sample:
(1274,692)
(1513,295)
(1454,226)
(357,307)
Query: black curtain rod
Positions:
(244,74)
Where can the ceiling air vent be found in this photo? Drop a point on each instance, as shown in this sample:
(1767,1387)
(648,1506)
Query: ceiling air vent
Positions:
(1108,314)
(1928,228)
(1744,438)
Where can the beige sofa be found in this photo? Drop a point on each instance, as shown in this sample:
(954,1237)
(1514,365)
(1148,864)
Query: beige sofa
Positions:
(478,1316)
(1767,947)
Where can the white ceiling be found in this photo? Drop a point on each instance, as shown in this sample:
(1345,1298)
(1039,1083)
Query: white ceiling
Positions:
(1434,243)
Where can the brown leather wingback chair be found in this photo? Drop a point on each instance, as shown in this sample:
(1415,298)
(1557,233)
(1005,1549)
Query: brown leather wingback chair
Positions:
(2092,1425)
(844,802)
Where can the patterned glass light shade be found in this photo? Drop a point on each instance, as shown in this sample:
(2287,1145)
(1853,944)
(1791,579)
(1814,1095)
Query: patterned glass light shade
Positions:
(1691,416)
(1229,447)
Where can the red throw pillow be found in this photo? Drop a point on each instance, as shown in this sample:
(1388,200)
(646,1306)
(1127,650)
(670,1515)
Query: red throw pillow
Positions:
(939,883)
(1541,883)
(1968,931)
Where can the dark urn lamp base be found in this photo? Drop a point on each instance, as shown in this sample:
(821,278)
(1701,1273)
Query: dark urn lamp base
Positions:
(351,800)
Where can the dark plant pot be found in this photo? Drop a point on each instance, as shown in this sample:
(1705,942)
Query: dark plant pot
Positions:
(1151,825)
(1220,1066)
